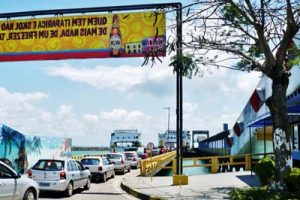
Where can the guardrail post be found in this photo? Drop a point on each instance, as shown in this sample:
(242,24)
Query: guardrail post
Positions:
(174,166)
(144,168)
(247,162)
(214,164)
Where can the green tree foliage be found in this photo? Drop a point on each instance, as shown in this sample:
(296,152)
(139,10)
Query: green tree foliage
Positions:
(265,170)
(246,35)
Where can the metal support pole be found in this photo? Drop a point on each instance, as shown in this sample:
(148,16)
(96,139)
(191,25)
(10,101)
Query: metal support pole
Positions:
(179,89)
(265,146)
(250,149)
(168,108)
(89,10)
(177,126)
(177,6)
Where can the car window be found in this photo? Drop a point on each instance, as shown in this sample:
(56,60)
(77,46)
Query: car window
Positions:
(49,165)
(69,166)
(114,156)
(79,165)
(5,172)
(129,155)
(74,166)
(105,161)
(90,161)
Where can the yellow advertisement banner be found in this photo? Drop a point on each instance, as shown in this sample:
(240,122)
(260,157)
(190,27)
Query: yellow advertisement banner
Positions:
(83,36)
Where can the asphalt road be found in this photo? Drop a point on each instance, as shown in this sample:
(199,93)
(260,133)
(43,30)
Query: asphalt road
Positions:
(110,190)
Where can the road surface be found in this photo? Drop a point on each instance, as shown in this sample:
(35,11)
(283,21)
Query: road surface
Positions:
(109,190)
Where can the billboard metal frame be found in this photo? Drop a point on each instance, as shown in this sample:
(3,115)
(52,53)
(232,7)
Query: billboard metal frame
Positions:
(177,6)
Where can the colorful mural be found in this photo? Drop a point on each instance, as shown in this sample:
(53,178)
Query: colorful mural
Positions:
(22,151)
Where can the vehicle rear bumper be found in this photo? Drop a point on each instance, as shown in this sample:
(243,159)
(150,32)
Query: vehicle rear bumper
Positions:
(119,168)
(96,175)
(52,185)
(133,164)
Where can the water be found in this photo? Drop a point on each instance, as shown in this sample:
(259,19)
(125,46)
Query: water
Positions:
(78,153)
(187,170)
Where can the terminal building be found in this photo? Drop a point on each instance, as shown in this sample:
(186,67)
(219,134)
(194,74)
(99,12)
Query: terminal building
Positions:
(252,131)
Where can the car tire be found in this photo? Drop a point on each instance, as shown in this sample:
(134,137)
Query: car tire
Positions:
(88,184)
(69,190)
(129,169)
(29,195)
(123,172)
(113,174)
(104,177)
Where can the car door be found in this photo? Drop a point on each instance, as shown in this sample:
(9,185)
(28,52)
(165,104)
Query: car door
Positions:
(106,166)
(75,174)
(82,174)
(8,183)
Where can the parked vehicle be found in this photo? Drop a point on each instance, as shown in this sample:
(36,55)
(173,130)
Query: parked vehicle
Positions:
(16,186)
(101,168)
(143,155)
(119,161)
(155,151)
(60,175)
(134,159)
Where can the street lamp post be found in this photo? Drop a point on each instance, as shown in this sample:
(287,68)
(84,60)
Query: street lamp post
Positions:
(168,108)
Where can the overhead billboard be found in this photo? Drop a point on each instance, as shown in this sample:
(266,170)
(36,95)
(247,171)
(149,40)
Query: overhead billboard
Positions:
(83,36)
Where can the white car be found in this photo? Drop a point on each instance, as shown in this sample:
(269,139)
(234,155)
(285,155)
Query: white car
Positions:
(63,175)
(119,161)
(134,158)
(101,168)
(15,186)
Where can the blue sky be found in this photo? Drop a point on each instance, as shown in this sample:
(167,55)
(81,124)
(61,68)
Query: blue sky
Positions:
(87,99)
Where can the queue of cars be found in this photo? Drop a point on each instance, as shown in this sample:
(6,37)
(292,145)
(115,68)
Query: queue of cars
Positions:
(63,175)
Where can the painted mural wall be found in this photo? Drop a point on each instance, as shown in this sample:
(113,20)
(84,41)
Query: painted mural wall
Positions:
(22,151)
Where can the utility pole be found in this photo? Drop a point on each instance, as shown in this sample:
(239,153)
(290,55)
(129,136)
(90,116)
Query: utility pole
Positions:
(168,108)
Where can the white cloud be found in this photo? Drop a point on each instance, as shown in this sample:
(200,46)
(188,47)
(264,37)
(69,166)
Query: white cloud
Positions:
(30,118)
(122,78)
(210,101)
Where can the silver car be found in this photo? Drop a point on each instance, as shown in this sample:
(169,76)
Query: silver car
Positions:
(16,186)
(101,168)
(119,161)
(60,175)
(133,158)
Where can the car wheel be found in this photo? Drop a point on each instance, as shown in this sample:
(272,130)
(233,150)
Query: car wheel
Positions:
(88,184)
(104,177)
(123,172)
(69,190)
(129,169)
(29,195)
(113,174)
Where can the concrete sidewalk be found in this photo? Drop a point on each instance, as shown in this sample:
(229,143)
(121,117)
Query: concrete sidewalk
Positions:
(208,186)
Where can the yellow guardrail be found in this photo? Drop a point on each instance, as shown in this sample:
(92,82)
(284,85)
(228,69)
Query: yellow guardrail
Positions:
(78,157)
(215,163)
(152,165)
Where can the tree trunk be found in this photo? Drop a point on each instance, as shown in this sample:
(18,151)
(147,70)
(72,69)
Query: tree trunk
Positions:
(282,138)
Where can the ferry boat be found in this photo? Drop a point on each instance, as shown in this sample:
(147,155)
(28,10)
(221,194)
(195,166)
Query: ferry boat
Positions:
(168,139)
(126,139)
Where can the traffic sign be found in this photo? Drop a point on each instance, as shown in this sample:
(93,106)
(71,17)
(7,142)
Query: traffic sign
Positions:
(150,145)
